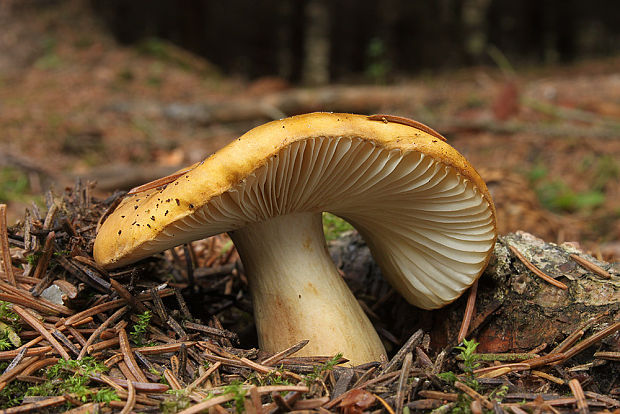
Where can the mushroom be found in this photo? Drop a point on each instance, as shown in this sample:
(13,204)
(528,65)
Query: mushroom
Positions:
(424,211)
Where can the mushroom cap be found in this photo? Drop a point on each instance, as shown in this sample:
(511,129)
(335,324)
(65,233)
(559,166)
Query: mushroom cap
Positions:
(421,207)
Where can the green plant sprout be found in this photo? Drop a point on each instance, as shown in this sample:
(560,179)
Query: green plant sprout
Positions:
(499,393)
(468,355)
(140,327)
(379,66)
(319,370)
(469,361)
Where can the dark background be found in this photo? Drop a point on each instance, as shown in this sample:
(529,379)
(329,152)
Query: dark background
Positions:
(375,39)
(124,92)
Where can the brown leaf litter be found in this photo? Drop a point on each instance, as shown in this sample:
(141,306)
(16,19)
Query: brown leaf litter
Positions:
(189,356)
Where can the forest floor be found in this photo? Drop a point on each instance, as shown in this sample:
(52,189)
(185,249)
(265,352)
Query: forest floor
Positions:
(74,102)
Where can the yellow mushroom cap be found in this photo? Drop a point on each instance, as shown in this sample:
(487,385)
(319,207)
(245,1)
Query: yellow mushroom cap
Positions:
(422,208)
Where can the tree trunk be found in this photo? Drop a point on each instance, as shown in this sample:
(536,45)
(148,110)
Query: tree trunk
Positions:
(474,21)
(316,43)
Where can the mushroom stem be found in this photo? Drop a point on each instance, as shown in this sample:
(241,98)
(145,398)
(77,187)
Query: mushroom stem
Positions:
(298,293)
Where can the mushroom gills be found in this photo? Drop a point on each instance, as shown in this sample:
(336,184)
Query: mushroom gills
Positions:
(430,229)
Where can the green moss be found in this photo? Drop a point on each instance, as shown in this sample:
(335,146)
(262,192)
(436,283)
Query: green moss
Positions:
(238,392)
(170,55)
(106,395)
(556,195)
(13,394)
(271,378)
(9,327)
(177,401)
(155,47)
(334,226)
(50,59)
(8,337)
(14,185)
(7,314)
(606,171)
(70,376)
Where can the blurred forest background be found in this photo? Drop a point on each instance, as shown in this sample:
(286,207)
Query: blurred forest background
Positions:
(122,92)
(315,41)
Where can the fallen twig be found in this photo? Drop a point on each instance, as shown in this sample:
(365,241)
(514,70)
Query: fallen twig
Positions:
(129,358)
(39,405)
(7,264)
(402,383)
(469,312)
(411,343)
(131,399)
(48,249)
(575,387)
(536,270)
(473,394)
(275,358)
(591,266)
(95,335)
(588,342)
(32,321)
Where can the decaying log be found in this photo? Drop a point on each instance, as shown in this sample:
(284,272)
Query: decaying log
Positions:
(515,310)
(124,176)
(244,112)
(360,99)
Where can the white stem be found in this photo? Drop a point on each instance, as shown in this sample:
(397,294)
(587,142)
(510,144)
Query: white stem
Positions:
(298,293)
